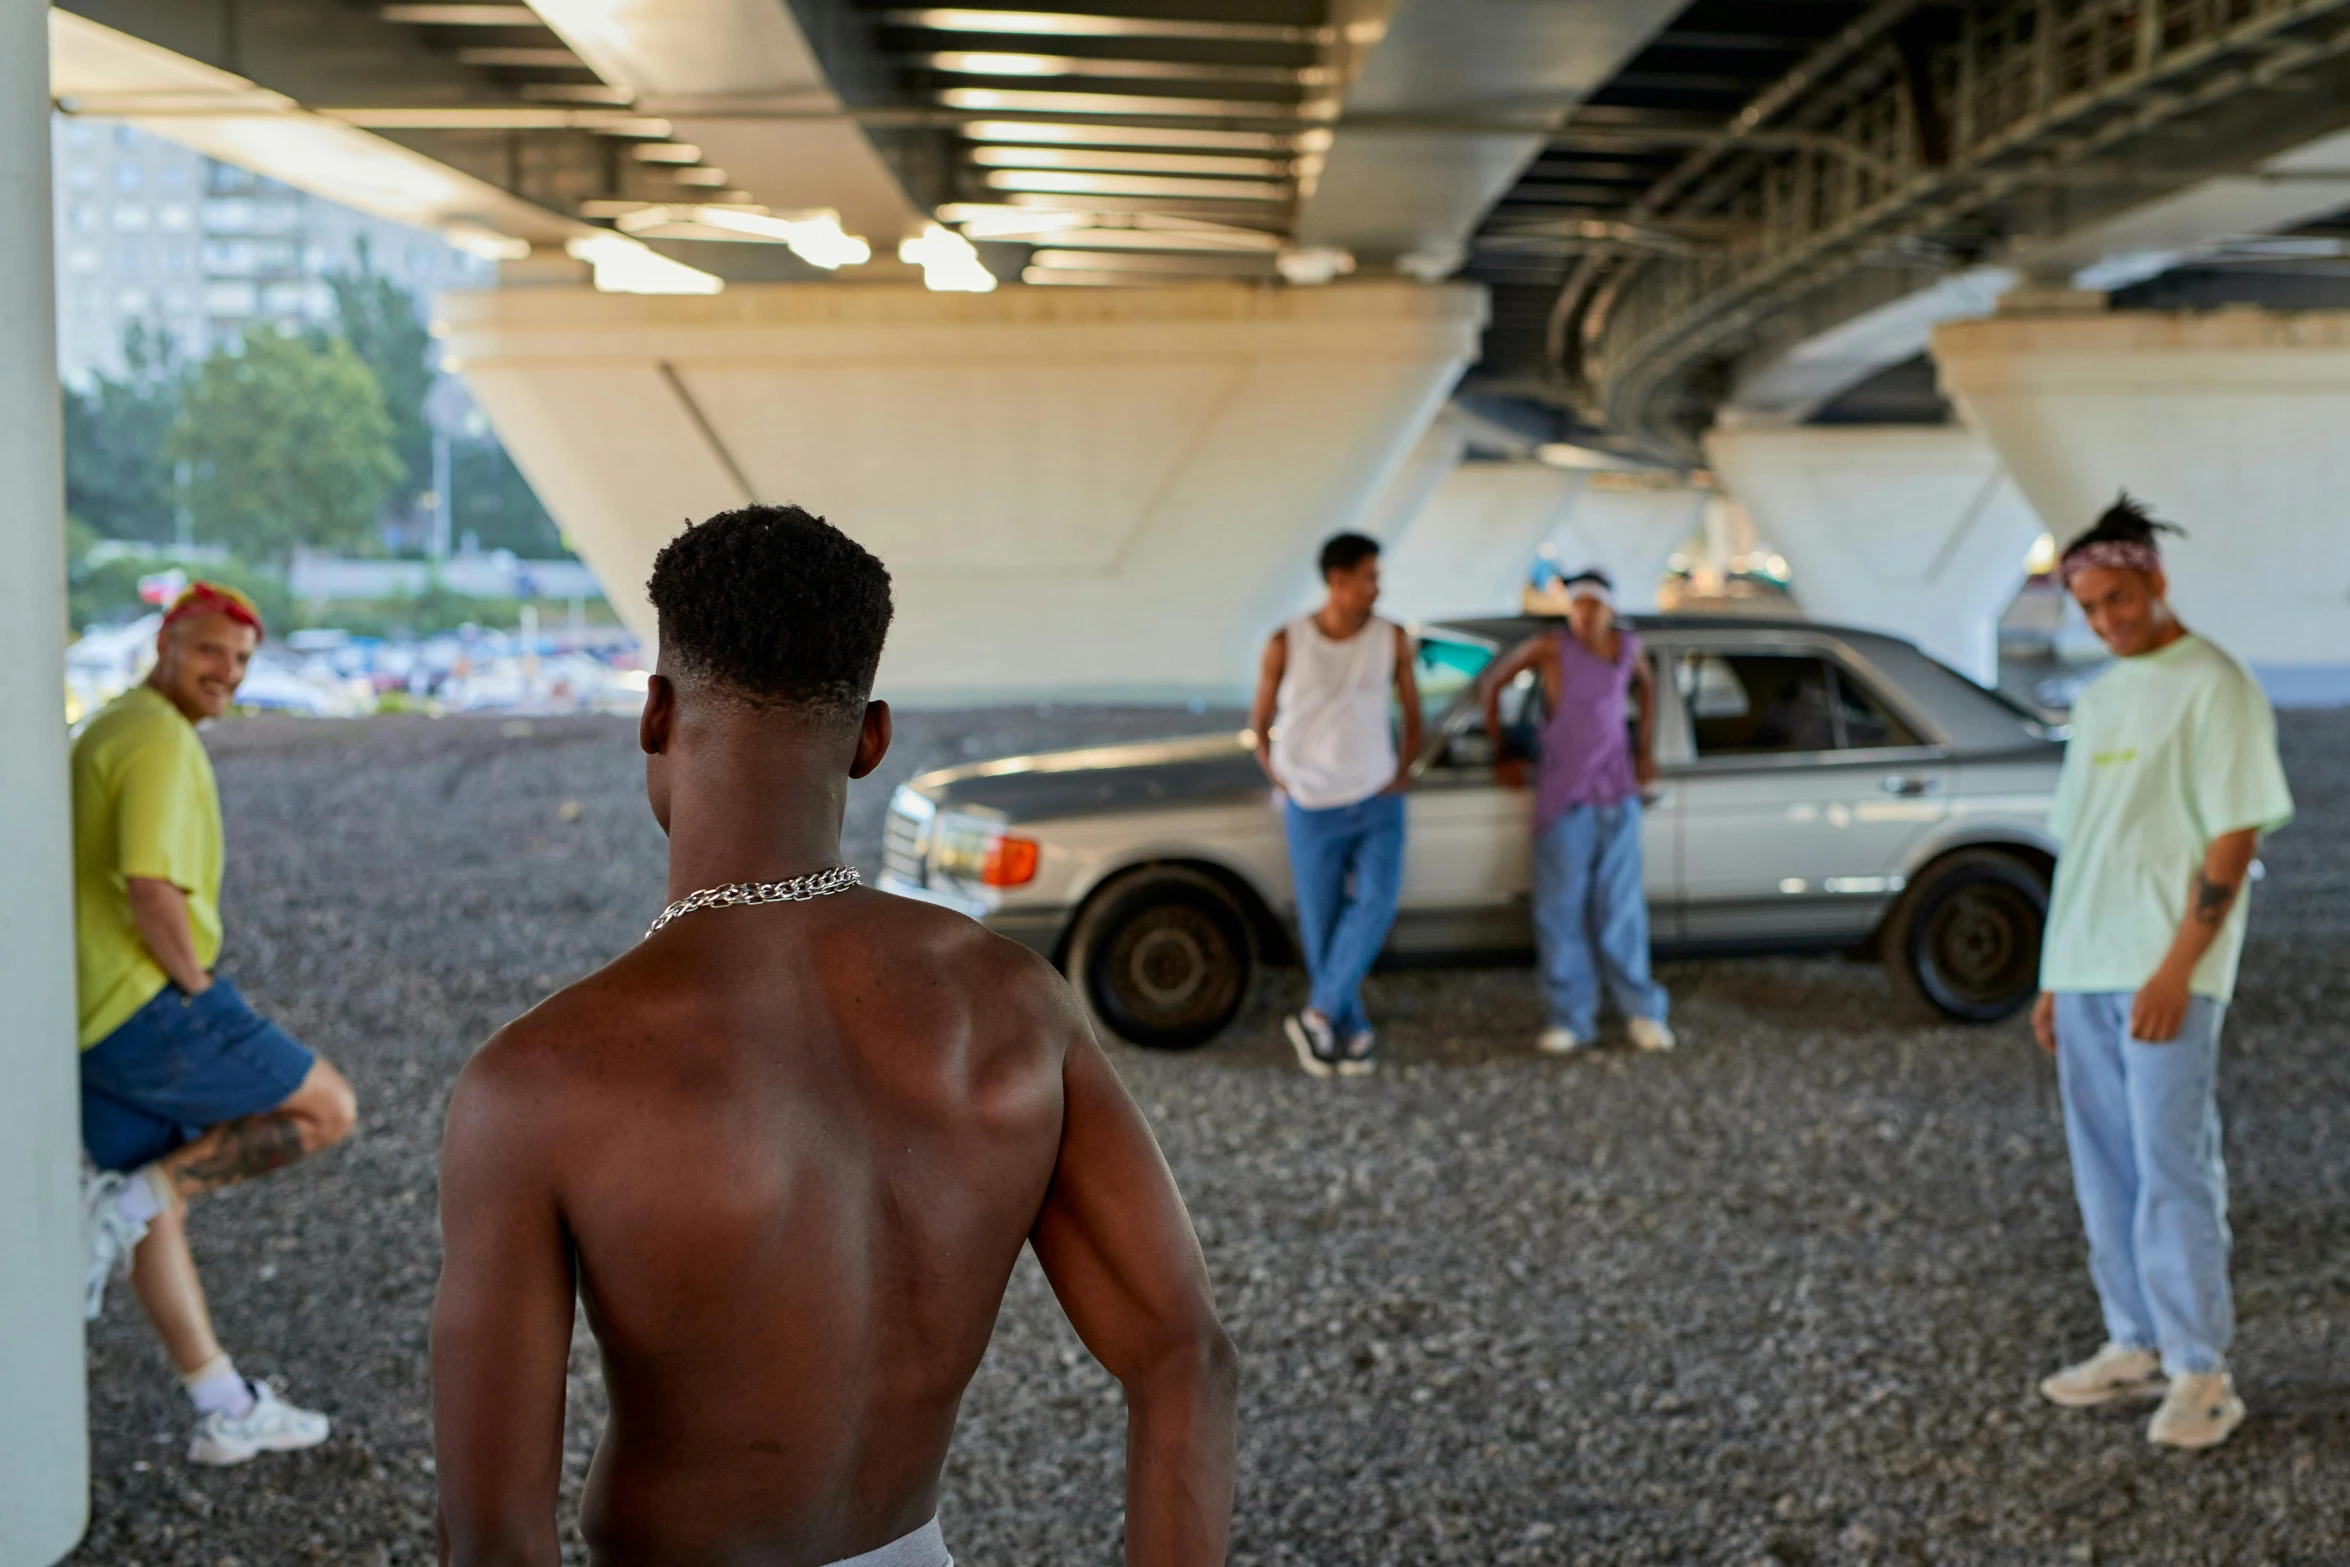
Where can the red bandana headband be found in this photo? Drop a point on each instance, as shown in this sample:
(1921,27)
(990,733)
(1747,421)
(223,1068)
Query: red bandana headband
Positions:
(207,598)
(2111,554)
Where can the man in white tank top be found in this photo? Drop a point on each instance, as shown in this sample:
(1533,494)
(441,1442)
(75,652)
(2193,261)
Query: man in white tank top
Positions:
(1325,739)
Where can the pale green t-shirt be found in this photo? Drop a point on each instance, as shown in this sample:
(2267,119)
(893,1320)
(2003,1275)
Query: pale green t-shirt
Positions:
(144,804)
(2169,750)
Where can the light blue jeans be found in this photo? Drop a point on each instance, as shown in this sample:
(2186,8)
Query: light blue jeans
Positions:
(1346,864)
(2143,1128)
(1591,917)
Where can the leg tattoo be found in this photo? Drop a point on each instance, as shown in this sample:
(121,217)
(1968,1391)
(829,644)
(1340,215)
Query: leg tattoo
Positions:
(236,1151)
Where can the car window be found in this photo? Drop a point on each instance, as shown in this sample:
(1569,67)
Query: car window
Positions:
(1445,669)
(1469,747)
(1868,722)
(1746,704)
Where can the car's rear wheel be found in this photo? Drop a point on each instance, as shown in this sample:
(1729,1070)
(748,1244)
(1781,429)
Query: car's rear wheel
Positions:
(1162,958)
(1965,939)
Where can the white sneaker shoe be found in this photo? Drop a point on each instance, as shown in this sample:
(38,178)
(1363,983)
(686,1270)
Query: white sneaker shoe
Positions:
(2116,1371)
(2200,1410)
(1310,1035)
(1557,1041)
(271,1426)
(1650,1033)
(109,1236)
(1355,1058)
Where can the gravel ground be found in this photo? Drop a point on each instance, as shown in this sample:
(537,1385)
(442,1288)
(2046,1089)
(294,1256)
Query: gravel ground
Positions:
(1779,1297)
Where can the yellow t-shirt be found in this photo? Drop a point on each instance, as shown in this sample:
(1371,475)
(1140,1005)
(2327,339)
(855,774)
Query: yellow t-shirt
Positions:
(144,804)
(2169,750)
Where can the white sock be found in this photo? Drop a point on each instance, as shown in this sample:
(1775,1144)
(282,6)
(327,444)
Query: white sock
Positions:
(217,1389)
(141,1199)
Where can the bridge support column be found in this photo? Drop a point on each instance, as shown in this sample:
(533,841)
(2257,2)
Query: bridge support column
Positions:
(44,1439)
(1913,530)
(1471,547)
(2228,422)
(1074,490)
(1627,525)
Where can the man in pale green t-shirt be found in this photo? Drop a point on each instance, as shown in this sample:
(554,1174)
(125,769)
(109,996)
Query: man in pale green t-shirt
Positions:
(2170,777)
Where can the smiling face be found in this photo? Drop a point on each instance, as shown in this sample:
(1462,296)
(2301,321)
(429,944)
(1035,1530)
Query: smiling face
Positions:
(2127,609)
(200,660)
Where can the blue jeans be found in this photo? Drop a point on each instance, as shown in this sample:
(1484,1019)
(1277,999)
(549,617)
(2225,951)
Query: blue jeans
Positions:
(2143,1128)
(1347,866)
(181,1064)
(1591,917)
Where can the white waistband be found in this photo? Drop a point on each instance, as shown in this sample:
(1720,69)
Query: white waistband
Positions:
(925,1547)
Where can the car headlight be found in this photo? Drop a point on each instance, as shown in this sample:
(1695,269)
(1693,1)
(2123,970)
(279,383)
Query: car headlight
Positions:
(985,853)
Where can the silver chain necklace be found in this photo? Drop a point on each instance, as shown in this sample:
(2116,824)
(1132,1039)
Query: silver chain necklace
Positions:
(821,884)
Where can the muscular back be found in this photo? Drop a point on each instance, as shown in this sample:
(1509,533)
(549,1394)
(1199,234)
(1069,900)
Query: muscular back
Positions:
(792,1153)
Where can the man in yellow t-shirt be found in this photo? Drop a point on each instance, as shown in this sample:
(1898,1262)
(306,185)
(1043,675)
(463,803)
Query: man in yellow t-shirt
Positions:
(2170,778)
(184,1088)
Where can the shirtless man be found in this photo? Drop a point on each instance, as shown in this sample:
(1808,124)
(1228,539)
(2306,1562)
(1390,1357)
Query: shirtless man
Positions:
(788,1154)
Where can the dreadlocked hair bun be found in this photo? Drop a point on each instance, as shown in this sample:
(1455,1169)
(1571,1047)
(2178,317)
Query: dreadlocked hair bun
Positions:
(2124,522)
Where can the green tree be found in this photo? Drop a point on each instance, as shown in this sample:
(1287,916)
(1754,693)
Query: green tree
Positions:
(289,444)
(496,504)
(379,319)
(117,470)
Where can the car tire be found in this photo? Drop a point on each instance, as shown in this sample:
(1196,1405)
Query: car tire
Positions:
(1965,939)
(1163,958)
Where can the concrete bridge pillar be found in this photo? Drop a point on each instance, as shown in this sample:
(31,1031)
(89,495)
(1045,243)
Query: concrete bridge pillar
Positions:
(1913,530)
(1076,490)
(1470,547)
(2228,422)
(44,1438)
(1627,525)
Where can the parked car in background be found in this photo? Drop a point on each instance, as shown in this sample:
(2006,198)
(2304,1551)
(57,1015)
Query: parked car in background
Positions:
(1820,787)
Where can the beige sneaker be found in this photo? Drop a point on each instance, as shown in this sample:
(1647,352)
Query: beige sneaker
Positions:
(1556,1041)
(1650,1033)
(2200,1410)
(2116,1371)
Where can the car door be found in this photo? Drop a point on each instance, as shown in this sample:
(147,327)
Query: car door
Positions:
(1805,787)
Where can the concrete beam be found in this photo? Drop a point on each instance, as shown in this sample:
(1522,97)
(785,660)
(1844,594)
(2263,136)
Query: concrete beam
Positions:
(1109,491)
(44,1436)
(1627,525)
(2228,422)
(1916,531)
(1471,547)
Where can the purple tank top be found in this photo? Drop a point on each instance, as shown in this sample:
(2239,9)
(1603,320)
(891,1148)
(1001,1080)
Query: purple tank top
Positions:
(1586,750)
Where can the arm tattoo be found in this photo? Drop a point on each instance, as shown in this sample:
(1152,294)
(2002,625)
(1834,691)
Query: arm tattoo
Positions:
(240,1150)
(2211,899)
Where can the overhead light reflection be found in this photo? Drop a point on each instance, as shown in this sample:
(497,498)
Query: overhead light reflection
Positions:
(1134,162)
(1065,24)
(1053,133)
(948,261)
(623,266)
(1135,185)
(1012,100)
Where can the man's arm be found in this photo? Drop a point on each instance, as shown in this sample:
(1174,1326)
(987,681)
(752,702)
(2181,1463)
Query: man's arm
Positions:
(501,1325)
(1270,669)
(2161,1004)
(1121,1255)
(1407,696)
(1498,675)
(159,911)
(1644,735)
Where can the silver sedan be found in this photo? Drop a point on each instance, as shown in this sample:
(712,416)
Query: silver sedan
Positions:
(1819,787)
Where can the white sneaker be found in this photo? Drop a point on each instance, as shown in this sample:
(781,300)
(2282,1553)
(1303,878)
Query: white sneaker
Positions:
(1557,1041)
(2200,1410)
(1354,1056)
(1650,1033)
(271,1426)
(1317,1047)
(2116,1371)
(109,1235)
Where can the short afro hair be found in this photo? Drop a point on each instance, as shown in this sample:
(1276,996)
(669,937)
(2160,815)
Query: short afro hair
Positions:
(1346,551)
(775,606)
(2126,521)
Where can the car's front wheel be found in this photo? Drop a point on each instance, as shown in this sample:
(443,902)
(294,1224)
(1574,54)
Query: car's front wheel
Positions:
(1162,957)
(1965,939)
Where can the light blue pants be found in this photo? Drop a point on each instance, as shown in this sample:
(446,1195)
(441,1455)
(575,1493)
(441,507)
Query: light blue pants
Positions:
(2144,1132)
(1591,917)
(1346,864)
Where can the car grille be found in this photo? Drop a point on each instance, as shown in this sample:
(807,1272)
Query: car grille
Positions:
(905,847)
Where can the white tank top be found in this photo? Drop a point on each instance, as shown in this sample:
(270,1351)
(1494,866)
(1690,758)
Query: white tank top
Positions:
(1332,744)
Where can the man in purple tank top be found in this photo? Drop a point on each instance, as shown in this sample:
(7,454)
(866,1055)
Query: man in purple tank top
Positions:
(1590,907)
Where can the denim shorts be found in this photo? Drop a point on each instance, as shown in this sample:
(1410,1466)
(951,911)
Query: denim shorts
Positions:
(179,1065)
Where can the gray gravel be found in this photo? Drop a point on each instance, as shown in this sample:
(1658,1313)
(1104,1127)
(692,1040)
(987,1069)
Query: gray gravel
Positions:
(1779,1297)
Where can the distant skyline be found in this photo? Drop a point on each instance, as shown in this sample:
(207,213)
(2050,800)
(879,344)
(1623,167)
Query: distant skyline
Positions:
(149,231)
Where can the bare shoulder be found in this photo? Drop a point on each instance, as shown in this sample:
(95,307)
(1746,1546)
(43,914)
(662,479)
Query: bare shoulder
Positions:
(1005,982)
(536,1073)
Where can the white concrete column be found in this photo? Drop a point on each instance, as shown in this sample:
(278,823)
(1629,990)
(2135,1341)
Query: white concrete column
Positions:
(1471,547)
(44,1433)
(1627,525)
(1075,490)
(2230,423)
(1917,531)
